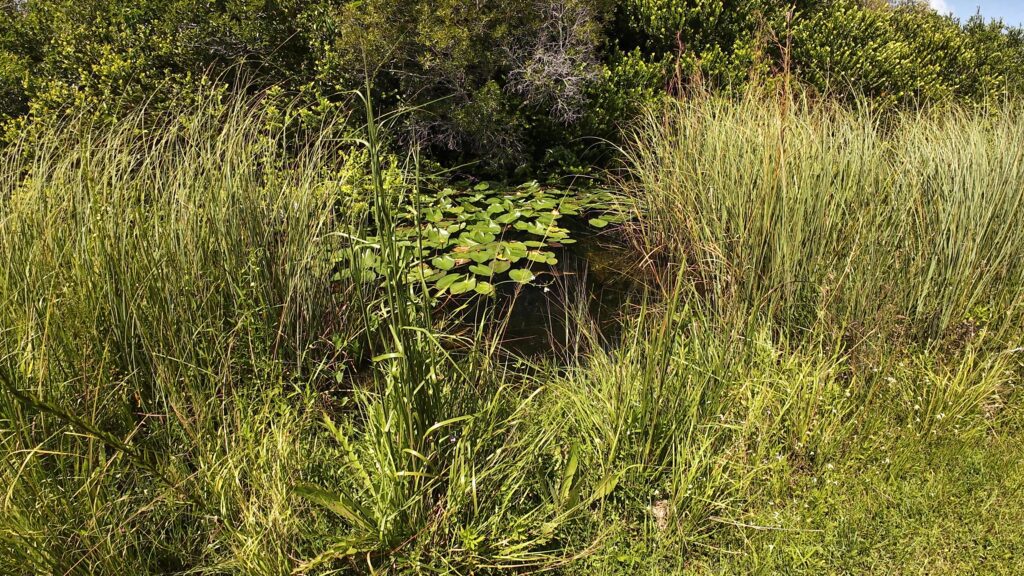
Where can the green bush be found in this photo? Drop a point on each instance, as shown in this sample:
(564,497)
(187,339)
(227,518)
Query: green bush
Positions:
(904,54)
(515,84)
(12,76)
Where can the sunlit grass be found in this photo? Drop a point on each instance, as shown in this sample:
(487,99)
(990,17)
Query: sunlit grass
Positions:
(825,218)
(188,386)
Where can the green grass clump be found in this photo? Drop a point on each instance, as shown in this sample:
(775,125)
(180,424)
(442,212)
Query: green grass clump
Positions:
(820,375)
(162,313)
(823,217)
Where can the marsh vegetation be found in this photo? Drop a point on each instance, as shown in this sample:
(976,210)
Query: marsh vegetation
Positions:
(574,299)
(220,354)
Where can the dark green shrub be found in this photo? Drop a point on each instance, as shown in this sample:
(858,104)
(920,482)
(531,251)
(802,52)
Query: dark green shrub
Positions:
(907,53)
(516,86)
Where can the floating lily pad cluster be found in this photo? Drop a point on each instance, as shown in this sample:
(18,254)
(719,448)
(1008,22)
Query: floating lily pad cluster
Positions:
(468,240)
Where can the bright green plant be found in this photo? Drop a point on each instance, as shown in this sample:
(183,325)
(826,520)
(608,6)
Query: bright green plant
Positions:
(175,396)
(429,430)
(469,240)
(804,212)
(150,265)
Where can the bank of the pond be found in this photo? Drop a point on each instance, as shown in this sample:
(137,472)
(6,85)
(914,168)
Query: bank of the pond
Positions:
(802,355)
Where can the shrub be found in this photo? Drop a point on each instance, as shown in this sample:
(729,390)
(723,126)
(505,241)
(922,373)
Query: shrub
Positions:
(903,54)
(507,83)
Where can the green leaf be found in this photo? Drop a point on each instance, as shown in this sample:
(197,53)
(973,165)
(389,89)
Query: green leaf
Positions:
(568,477)
(475,237)
(337,503)
(481,270)
(444,262)
(481,254)
(387,356)
(369,260)
(512,251)
(538,256)
(420,272)
(509,218)
(606,486)
(569,208)
(448,280)
(598,222)
(342,548)
(484,288)
(522,275)
(440,426)
(463,286)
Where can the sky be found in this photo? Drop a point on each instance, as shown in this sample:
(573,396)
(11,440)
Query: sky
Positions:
(1011,11)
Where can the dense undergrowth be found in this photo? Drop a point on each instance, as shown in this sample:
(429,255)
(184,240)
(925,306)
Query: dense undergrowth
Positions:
(822,369)
(523,87)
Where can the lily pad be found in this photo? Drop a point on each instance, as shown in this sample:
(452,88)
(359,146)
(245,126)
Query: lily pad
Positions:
(487,226)
(500,266)
(481,270)
(448,280)
(540,256)
(444,262)
(481,254)
(522,275)
(463,286)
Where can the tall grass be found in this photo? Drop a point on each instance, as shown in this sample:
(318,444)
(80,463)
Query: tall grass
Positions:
(821,216)
(196,375)
(164,282)
(422,482)
(187,384)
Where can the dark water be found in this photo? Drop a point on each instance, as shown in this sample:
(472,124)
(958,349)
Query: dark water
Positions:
(573,307)
(576,304)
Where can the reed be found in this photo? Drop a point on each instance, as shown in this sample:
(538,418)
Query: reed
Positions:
(200,375)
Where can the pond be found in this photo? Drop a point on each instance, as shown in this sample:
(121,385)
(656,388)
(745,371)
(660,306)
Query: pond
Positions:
(535,264)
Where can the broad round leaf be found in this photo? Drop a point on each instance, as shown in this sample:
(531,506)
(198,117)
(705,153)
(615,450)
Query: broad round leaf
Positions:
(463,286)
(522,275)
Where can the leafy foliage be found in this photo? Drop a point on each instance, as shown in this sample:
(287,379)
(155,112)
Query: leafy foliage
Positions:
(172,397)
(517,85)
(905,54)
(468,239)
